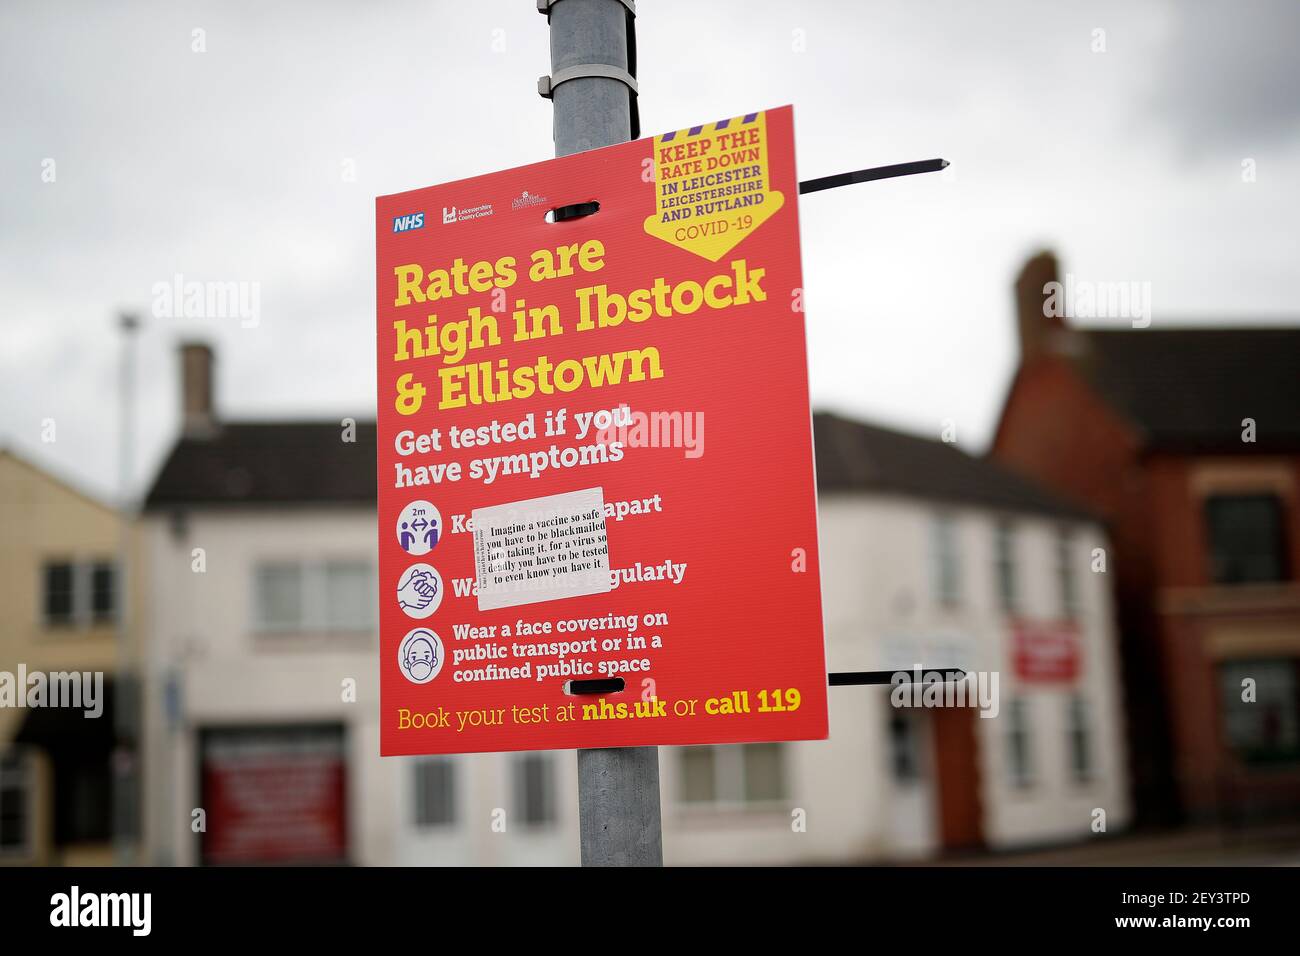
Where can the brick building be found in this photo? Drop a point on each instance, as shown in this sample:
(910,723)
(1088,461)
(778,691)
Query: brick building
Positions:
(1187,442)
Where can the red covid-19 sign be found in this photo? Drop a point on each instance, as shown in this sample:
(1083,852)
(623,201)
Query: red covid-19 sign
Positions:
(595,452)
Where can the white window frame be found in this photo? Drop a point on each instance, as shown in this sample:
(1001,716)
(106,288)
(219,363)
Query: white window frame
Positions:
(452,768)
(550,794)
(912,719)
(83,594)
(945,556)
(1004,556)
(1018,721)
(1067,580)
(730,788)
(312,617)
(1078,718)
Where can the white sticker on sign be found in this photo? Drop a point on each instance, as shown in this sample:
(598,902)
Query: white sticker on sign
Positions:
(541,549)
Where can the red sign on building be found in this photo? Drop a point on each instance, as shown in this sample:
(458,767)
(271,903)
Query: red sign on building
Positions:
(595,456)
(274,795)
(1045,650)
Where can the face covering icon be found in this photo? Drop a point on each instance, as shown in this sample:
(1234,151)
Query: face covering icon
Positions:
(420,657)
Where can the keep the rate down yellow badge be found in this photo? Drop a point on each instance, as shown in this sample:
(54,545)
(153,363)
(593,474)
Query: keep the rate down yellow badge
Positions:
(712,186)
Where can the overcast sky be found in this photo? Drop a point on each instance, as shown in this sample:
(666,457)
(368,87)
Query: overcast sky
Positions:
(229,165)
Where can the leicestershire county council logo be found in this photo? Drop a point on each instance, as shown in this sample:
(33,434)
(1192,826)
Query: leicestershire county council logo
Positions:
(454,214)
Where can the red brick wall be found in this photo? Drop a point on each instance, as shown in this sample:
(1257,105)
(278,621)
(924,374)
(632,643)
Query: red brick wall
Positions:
(1056,429)
(1181,561)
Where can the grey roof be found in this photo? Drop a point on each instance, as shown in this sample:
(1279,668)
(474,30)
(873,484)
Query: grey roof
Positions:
(269,463)
(290,463)
(1190,387)
(853,456)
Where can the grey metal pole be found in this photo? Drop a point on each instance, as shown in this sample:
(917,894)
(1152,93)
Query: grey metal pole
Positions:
(618,788)
(593,111)
(126,760)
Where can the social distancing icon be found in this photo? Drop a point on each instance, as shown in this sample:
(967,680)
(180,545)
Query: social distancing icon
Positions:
(419,528)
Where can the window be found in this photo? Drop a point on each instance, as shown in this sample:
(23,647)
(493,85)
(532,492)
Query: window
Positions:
(1247,545)
(279,596)
(1079,740)
(733,775)
(1261,719)
(435,792)
(1005,560)
(1019,757)
(698,775)
(764,772)
(15,821)
(60,596)
(534,789)
(1067,585)
(904,745)
(314,596)
(79,594)
(348,595)
(947,565)
(103,592)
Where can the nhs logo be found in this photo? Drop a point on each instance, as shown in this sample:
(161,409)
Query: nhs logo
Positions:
(408,222)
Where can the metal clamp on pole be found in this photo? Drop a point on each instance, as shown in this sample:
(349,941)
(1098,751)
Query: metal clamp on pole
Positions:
(595,70)
(546,84)
(544,6)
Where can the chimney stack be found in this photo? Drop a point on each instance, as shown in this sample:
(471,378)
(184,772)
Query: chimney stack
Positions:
(1036,328)
(198,419)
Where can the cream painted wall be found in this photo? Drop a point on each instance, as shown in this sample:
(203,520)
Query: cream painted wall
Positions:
(46,520)
(200,626)
(43,519)
(879,609)
(203,642)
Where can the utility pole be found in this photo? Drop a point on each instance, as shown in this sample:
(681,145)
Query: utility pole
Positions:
(126,706)
(593,56)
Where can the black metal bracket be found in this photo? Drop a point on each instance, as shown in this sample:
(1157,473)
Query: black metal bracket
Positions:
(848,678)
(612,685)
(869,175)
